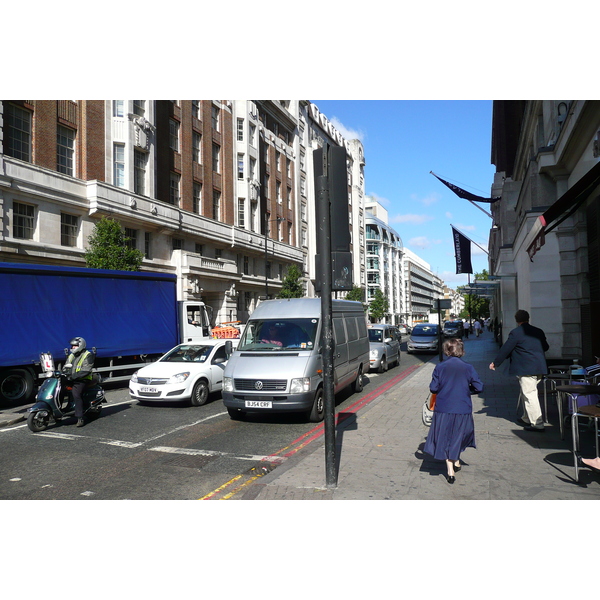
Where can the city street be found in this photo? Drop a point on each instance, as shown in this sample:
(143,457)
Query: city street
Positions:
(160,451)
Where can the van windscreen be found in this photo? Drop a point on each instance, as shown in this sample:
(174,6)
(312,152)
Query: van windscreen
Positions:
(279,334)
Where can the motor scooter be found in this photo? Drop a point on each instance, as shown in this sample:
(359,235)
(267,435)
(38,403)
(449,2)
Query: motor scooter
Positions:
(54,400)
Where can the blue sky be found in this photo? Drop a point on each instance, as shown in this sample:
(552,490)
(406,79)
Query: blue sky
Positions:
(406,139)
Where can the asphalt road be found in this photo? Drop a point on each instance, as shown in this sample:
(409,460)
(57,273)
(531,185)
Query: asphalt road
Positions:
(159,451)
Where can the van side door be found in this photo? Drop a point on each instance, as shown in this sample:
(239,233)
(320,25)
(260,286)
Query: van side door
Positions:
(340,353)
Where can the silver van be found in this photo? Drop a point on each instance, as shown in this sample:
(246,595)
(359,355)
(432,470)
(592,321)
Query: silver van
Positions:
(384,343)
(278,367)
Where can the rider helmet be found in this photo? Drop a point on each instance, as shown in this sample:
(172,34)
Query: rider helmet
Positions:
(77,345)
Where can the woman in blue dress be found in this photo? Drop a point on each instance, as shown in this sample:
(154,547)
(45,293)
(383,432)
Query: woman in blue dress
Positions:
(452,429)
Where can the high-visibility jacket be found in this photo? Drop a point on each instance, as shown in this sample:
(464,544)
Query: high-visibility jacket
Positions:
(78,364)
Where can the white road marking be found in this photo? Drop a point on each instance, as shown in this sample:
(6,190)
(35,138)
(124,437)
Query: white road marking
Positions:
(195,452)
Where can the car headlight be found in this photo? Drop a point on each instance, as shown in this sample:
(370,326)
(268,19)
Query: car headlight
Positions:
(228,384)
(374,353)
(134,377)
(300,385)
(179,378)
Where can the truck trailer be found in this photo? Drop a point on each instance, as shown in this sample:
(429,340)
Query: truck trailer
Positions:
(130,317)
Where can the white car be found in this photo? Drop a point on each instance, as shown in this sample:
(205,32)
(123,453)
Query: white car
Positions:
(187,372)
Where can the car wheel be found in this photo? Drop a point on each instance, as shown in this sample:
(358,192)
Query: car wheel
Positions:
(200,393)
(383,365)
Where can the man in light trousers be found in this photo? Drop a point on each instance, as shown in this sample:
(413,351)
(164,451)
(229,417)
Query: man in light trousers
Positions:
(525,347)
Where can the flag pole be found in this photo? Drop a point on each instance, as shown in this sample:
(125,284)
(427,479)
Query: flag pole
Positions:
(470,238)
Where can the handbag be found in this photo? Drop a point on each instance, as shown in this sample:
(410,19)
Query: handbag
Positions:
(427,412)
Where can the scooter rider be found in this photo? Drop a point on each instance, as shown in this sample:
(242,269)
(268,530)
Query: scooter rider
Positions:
(78,369)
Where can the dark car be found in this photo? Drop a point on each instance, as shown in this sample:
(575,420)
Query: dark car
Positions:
(453,329)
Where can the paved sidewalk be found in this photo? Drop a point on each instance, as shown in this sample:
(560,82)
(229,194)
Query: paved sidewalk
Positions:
(380,452)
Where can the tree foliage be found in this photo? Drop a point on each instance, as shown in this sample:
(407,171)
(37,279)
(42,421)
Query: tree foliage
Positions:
(292,284)
(475,306)
(379,306)
(108,249)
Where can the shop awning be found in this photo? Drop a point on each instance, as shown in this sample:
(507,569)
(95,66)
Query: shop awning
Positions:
(563,208)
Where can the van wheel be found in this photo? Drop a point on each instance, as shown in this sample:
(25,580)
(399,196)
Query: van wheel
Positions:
(16,386)
(357,386)
(317,412)
(383,365)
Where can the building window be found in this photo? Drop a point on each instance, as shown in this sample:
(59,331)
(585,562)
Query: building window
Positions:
(117,108)
(251,174)
(240,166)
(289,197)
(215,112)
(139,172)
(199,249)
(197,198)
(278,191)
(174,181)
(65,148)
(253,213)
(240,130)
(174,135)
(216,205)
(241,213)
(139,107)
(147,244)
(132,235)
(246,265)
(216,150)
(278,160)
(253,135)
(196,109)
(18,133)
(177,243)
(23,221)
(68,229)
(218,253)
(196,147)
(119,165)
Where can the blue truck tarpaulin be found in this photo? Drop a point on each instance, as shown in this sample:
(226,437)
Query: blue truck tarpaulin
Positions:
(121,313)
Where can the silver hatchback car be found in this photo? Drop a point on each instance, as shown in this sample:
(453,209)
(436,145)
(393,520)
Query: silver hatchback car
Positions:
(384,345)
(423,338)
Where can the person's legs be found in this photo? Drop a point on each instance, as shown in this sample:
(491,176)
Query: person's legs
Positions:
(531,401)
(77,391)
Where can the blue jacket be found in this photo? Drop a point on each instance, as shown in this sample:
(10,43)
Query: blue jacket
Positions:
(454,380)
(525,347)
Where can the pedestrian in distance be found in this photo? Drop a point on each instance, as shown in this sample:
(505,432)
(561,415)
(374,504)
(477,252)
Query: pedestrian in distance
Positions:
(477,327)
(525,347)
(78,371)
(467,328)
(452,429)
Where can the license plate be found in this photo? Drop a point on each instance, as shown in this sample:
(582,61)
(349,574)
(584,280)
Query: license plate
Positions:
(258,404)
(148,390)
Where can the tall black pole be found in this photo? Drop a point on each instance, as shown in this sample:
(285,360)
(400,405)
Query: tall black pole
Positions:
(324,234)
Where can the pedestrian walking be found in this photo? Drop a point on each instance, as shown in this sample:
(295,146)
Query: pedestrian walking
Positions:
(452,429)
(525,347)
(477,327)
(467,328)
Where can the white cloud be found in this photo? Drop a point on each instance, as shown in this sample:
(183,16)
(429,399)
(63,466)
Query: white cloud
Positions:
(411,218)
(449,215)
(383,201)
(427,200)
(349,134)
(422,242)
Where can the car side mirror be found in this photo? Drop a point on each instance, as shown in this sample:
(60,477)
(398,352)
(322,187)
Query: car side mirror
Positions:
(387,340)
(228,348)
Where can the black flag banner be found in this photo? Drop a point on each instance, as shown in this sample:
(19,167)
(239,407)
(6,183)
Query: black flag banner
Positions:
(464,194)
(462,252)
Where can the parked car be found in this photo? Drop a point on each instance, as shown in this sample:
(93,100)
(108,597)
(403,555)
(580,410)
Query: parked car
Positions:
(187,372)
(384,345)
(453,329)
(424,338)
(403,329)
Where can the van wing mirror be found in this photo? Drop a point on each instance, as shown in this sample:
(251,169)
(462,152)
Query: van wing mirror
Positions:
(228,348)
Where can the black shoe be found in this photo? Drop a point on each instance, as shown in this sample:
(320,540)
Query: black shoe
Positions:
(532,428)
(457,469)
(523,423)
(80,422)
(451,479)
